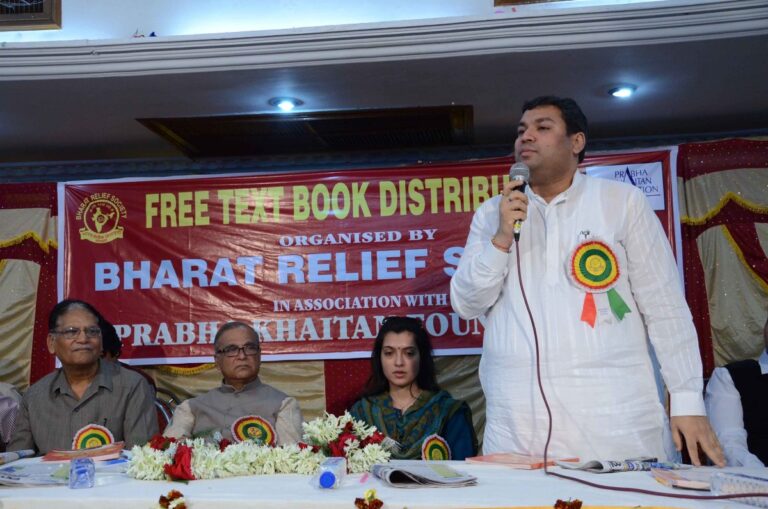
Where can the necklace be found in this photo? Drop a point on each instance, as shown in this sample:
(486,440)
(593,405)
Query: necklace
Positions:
(408,403)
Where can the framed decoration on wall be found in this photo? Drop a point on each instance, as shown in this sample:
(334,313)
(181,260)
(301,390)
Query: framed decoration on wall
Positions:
(30,15)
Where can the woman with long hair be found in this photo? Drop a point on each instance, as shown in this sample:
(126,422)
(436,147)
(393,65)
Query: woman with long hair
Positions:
(403,400)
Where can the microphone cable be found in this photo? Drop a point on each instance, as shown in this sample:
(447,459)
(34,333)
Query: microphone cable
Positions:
(549,423)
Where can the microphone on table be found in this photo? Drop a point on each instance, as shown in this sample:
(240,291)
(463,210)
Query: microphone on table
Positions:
(519,171)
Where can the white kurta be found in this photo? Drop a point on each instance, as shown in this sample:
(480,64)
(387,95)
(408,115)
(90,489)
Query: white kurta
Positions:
(599,381)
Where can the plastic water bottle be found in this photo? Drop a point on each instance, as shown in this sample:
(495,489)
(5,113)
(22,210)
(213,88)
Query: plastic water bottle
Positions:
(82,473)
(331,472)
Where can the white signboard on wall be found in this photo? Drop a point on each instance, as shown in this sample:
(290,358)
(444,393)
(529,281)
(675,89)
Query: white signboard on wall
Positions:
(648,177)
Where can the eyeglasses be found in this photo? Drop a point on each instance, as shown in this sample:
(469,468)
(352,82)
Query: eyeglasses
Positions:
(74,332)
(249,349)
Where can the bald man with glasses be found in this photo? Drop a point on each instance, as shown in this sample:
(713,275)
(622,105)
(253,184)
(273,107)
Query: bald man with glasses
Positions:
(242,404)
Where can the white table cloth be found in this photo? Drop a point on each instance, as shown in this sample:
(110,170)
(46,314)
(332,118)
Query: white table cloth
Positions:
(498,487)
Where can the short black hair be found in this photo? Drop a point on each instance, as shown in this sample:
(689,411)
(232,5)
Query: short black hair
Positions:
(425,378)
(234,325)
(68,305)
(575,120)
(110,341)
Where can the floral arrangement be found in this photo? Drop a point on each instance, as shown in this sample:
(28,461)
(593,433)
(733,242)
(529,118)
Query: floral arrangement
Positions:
(570,504)
(173,500)
(344,436)
(369,501)
(216,457)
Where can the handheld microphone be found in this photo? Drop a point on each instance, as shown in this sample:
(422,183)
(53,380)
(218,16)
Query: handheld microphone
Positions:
(519,171)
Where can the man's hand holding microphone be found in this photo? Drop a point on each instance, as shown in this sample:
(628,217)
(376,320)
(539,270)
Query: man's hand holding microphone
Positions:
(513,208)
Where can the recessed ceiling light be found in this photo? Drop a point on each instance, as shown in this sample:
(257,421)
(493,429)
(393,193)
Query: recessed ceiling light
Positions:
(285,104)
(623,91)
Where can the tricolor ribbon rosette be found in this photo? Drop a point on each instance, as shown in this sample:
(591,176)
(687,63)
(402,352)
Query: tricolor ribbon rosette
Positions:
(593,267)
(435,448)
(92,435)
(253,427)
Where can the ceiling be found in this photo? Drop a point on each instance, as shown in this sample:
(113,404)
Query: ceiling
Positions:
(699,71)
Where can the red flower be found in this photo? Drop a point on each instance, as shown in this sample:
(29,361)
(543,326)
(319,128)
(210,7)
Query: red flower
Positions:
(160,443)
(375,438)
(570,504)
(362,503)
(314,448)
(181,467)
(174,494)
(225,442)
(336,448)
(165,501)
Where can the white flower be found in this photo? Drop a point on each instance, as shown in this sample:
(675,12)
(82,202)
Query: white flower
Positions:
(147,464)
(175,502)
(361,460)
(362,430)
(204,460)
(322,430)
(307,462)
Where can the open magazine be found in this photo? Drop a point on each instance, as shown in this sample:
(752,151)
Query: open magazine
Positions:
(34,474)
(416,474)
(607,466)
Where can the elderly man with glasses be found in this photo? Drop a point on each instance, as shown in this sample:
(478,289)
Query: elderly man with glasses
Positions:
(88,401)
(242,408)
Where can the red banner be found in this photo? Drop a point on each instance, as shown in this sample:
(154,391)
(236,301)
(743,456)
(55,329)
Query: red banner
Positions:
(314,261)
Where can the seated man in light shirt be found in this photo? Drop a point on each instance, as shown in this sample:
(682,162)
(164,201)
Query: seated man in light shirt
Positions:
(735,398)
(242,404)
(87,396)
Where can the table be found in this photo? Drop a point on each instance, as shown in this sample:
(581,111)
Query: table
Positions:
(497,487)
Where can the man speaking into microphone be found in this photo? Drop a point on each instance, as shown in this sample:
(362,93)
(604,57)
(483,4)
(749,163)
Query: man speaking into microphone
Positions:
(600,280)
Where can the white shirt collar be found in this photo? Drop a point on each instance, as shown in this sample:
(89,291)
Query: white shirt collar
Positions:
(763,360)
(578,178)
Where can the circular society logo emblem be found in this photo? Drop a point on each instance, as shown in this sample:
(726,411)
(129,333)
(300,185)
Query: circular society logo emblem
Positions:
(100,215)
